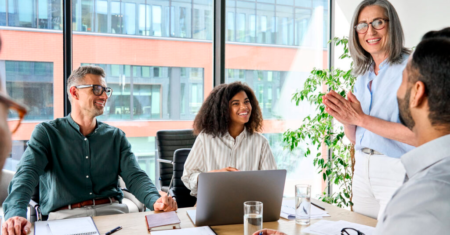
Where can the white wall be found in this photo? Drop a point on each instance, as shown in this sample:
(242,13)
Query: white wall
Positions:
(417,17)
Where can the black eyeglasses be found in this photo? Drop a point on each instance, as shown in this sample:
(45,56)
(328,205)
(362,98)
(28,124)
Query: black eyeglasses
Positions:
(351,231)
(98,89)
(377,24)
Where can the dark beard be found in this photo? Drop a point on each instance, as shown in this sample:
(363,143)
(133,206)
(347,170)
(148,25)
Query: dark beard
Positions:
(404,112)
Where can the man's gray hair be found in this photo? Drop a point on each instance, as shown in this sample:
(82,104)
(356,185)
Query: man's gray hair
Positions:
(78,74)
(362,60)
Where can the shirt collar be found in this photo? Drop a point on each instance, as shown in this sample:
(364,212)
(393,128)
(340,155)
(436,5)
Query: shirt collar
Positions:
(242,135)
(426,155)
(77,127)
(382,65)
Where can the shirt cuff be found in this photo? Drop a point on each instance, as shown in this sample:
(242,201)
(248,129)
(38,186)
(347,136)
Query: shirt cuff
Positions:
(152,202)
(193,183)
(15,212)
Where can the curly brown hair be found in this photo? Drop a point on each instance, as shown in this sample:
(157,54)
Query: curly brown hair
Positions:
(213,117)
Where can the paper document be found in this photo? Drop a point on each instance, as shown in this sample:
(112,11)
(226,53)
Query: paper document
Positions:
(326,227)
(78,226)
(205,230)
(288,210)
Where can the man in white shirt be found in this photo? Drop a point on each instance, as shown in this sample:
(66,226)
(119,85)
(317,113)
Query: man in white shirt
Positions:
(421,205)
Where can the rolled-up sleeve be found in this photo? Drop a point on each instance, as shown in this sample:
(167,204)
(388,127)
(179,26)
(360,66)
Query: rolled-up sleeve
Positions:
(136,180)
(419,208)
(267,160)
(26,178)
(194,166)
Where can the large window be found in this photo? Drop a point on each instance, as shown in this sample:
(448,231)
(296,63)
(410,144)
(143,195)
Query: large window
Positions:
(158,58)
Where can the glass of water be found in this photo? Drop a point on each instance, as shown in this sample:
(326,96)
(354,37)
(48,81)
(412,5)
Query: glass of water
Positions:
(253,212)
(302,204)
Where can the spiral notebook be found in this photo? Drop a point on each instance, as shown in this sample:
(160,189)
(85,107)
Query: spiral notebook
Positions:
(77,226)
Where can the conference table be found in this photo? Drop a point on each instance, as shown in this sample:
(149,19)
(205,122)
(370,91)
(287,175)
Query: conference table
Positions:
(134,223)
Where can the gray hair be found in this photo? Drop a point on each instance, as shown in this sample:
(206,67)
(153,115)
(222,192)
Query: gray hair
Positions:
(362,60)
(78,75)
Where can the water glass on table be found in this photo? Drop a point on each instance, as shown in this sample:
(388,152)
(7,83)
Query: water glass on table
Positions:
(253,212)
(302,204)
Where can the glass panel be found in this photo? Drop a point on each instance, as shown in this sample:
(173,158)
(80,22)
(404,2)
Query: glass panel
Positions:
(266,16)
(203,26)
(22,13)
(302,19)
(31,62)
(285,25)
(275,73)
(101,16)
(31,83)
(129,18)
(2,12)
(303,3)
(83,15)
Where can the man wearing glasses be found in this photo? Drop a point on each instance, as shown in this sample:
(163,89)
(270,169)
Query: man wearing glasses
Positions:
(77,160)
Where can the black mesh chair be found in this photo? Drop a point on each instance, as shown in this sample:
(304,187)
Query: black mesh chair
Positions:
(167,142)
(177,188)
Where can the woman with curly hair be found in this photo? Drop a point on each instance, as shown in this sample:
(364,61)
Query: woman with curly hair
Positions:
(227,126)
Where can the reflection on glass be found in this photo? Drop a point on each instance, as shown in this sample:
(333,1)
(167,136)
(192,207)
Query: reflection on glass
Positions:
(153,93)
(31,83)
(202,22)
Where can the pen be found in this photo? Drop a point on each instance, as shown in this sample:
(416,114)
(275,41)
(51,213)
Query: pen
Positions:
(261,233)
(318,206)
(114,230)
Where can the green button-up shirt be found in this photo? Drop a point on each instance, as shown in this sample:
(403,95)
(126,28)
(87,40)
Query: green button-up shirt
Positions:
(72,168)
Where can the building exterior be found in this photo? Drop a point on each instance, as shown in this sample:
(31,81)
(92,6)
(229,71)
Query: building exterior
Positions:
(157,55)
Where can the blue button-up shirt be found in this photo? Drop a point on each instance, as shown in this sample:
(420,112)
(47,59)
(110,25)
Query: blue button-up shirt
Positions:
(380,102)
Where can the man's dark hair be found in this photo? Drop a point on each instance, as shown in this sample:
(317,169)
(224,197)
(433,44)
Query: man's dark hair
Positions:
(214,115)
(431,65)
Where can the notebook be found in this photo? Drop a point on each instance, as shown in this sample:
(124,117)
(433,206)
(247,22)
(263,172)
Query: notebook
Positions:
(162,221)
(76,226)
(205,230)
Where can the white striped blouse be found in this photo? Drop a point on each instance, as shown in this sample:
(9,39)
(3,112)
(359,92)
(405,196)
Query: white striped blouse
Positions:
(249,152)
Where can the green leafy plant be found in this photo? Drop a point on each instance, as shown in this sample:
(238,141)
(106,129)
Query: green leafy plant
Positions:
(320,129)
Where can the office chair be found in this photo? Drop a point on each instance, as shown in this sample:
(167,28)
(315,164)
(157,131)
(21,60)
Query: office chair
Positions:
(177,188)
(167,142)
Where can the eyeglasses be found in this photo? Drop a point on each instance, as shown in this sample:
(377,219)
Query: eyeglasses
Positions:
(16,112)
(98,89)
(377,24)
(351,231)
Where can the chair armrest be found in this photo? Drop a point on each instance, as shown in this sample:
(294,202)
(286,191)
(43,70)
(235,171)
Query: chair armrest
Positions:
(35,211)
(165,161)
(127,194)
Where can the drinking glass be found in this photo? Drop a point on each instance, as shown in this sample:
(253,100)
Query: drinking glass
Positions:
(253,212)
(302,204)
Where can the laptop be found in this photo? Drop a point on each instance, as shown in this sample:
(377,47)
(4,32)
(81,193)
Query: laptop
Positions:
(221,196)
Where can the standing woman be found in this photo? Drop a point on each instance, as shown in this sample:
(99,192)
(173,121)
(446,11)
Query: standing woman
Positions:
(227,126)
(370,115)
